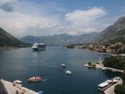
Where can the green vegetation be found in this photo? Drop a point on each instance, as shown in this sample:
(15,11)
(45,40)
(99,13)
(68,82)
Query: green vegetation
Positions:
(115,62)
(120,39)
(120,89)
(7,40)
(97,63)
(114,33)
(89,63)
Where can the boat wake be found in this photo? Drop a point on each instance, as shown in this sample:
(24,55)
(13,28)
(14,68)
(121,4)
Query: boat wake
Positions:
(44,80)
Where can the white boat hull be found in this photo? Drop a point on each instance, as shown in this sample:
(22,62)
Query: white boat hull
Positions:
(39,47)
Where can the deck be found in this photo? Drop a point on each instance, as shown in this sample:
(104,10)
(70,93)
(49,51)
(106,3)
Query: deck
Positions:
(9,88)
(110,90)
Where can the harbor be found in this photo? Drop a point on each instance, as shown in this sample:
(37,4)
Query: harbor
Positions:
(110,90)
(9,88)
(52,64)
(107,87)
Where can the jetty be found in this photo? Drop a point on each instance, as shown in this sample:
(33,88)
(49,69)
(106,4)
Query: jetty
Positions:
(113,69)
(9,88)
(101,66)
(110,90)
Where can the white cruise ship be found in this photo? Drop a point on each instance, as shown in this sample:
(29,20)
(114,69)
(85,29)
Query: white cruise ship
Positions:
(38,46)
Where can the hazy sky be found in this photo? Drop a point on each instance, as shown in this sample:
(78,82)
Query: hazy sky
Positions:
(49,17)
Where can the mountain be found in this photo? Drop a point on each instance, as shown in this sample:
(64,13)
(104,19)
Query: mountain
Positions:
(8,40)
(62,39)
(115,32)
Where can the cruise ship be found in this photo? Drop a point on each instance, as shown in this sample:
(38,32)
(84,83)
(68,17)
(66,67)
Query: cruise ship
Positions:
(38,47)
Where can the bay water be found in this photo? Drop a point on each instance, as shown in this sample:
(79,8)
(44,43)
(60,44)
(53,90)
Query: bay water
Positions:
(22,63)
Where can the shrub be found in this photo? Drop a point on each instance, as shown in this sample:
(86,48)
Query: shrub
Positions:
(120,89)
(115,62)
(89,63)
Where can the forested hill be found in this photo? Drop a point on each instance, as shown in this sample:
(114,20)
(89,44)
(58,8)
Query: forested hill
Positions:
(7,40)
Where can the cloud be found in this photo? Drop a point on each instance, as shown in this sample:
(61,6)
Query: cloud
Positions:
(85,21)
(7,5)
(85,16)
(2,2)
(21,18)
(19,23)
(23,22)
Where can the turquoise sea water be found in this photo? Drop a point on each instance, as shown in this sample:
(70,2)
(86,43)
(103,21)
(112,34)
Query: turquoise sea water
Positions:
(22,63)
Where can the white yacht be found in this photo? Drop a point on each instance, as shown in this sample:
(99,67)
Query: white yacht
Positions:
(63,65)
(38,46)
(68,72)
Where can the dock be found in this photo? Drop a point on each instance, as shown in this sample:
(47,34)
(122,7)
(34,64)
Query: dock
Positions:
(113,69)
(103,89)
(8,88)
(110,90)
(101,66)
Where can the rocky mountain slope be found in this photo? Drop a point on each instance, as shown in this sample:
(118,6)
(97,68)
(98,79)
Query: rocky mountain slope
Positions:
(115,32)
(7,40)
(62,39)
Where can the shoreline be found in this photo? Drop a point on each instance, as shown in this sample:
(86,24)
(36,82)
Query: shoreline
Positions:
(111,54)
(9,88)
(110,90)
(101,66)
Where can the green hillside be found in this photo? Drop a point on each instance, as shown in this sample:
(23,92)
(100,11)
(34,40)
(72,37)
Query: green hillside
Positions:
(7,40)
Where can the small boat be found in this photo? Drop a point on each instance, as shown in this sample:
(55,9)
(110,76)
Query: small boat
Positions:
(35,79)
(116,79)
(63,65)
(17,82)
(68,72)
(104,85)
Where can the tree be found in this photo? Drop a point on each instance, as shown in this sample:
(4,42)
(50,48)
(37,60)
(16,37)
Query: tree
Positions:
(115,62)
(120,89)
(89,63)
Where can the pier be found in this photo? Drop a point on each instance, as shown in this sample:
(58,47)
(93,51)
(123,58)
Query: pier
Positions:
(101,66)
(110,90)
(8,88)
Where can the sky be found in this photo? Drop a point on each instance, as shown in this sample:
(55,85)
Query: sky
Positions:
(50,17)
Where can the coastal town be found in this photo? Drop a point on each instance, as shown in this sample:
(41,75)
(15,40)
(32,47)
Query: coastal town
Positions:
(108,86)
(62,46)
(109,48)
(114,62)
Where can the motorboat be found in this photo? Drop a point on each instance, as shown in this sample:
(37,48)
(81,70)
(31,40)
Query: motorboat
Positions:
(35,79)
(116,79)
(68,72)
(63,65)
(38,46)
(17,82)
(104,85)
